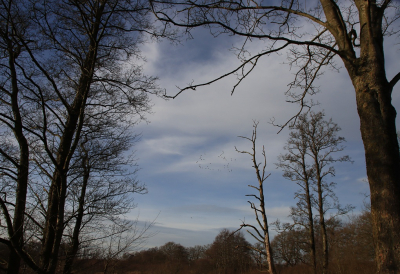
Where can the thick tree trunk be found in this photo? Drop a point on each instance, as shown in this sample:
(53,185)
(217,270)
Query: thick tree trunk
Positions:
(378,130)
(14,262)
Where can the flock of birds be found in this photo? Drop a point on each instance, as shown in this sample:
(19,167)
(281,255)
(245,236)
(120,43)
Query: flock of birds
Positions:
(225,165)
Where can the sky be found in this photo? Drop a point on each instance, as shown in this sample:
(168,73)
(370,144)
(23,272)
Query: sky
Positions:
(196,180)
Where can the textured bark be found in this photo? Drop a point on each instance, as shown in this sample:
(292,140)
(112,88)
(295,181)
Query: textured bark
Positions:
(377,117)
(378,131)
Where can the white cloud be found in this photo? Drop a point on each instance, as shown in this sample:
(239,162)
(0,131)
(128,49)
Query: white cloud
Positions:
(171,145)
(187,155)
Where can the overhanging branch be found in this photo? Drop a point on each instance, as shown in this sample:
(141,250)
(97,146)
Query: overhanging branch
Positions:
(395,79)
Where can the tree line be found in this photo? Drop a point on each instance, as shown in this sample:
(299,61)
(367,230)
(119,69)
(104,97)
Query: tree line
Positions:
(350,241)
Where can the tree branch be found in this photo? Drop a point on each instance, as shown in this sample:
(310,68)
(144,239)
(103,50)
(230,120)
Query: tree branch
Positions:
(394,81)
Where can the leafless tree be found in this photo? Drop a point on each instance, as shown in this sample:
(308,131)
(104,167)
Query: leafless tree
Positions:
(116,239)
(68,70)
(289,247)
(196,252)
(296,168)
(261,233)
(311,149)
(174,252)
(353,31)
(101,187)
(229,252)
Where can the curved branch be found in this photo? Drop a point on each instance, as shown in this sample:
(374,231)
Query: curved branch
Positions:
(240,7)
(394,81)
(168,19)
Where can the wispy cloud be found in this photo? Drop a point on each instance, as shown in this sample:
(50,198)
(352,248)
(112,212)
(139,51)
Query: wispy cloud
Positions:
(195,177)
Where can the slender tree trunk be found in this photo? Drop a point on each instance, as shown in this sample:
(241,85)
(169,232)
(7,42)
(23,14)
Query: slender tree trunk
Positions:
(261,178)
(324,236)
(311,228)
(49,230)
(55,217)
(267,244)
(22,170)
(71,254)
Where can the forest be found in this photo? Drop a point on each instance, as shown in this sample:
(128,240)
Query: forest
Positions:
(78,77)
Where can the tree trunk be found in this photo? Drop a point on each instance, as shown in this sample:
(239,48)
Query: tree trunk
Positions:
(73,250)
(311,228)
(267,244)
(14,262)
(378,131)
(23,170)
(325,258)
(55,216)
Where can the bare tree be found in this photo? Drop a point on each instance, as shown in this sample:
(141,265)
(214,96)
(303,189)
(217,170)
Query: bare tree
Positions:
(102,182)
(353,31)
(175,252)
(68,68)
(289,247)
(117,239)
(297,169)
(311,147)
(352,244)
(196,252)
(229,252)
(262,231)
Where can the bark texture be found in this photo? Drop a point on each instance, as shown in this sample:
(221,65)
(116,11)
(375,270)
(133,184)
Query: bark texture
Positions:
(377,117)
(378,131)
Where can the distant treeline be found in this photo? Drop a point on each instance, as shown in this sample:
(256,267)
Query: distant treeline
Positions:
(351,251)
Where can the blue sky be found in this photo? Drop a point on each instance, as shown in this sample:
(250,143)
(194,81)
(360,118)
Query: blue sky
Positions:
(197,182)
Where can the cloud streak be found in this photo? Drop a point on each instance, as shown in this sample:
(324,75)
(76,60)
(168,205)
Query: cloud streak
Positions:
(196,179)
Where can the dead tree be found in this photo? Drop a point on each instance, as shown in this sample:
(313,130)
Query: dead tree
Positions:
(261,233)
